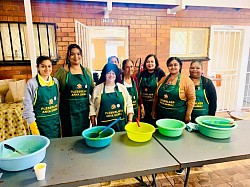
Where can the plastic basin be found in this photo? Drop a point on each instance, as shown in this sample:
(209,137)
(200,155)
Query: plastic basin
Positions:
(139,134)
(212,131)
(103,141)
(170,127)
(33,148)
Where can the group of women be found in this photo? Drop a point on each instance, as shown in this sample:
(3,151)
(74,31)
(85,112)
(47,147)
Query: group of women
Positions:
(118,94)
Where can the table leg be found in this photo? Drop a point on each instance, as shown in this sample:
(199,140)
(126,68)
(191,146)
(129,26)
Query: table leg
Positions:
(154,183)
(141,181)
(187,175)
(154,180)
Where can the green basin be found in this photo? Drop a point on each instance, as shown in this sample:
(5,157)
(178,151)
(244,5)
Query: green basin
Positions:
(170,127)
(218,132)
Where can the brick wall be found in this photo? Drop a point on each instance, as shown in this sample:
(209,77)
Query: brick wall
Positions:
(149,25)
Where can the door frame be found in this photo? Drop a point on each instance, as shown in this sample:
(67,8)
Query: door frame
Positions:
(244,58)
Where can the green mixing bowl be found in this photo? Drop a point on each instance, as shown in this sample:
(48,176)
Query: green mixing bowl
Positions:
(218,132)
(170,127)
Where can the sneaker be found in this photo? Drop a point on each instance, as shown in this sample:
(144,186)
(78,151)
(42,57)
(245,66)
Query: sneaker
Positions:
(179,171)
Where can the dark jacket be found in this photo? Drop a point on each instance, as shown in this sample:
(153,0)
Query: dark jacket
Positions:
(158,72)
(211,94)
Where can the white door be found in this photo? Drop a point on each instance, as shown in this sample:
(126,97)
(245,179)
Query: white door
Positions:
(228,53)
(82,39)
(246,100)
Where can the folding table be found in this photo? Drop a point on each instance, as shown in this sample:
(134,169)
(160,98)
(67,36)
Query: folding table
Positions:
(70,162)
(194,149)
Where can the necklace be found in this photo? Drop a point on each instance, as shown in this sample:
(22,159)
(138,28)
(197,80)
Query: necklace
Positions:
(171,79)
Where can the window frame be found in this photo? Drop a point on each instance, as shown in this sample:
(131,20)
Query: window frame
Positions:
(188,56)
(24,60)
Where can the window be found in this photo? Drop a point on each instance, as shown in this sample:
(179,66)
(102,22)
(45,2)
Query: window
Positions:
(189,42)
(14,42)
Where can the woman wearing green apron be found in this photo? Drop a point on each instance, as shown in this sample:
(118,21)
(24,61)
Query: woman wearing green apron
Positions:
(175,95)
(170,105)
(206,98)
(76,85)
(131,83)
(110,100)
(148,80)
(41,101)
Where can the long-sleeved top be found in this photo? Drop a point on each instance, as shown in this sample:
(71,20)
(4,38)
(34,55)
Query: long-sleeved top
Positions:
(30,95)
(186,92)
(61,75)
(210,94)
(158,72)
(96,98)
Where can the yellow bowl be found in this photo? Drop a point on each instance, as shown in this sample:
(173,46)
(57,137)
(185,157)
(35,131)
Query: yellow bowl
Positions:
(139,134)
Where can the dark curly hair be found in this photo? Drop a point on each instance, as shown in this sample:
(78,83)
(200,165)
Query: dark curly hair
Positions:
(146,59)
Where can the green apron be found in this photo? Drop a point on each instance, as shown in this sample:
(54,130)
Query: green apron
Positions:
(201,106)
(111,108)
(170,105)
(74,105)
(147,90)
(46,110)
(134,97)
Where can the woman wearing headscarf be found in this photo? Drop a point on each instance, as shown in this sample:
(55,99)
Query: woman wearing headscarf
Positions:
(76,85)
(206,98)
(175,94)
(41,101)
(148,80)
(110,100)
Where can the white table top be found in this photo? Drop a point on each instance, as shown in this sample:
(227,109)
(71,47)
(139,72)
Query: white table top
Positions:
(70,162)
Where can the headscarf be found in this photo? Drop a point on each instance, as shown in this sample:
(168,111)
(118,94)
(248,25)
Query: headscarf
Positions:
(106,69)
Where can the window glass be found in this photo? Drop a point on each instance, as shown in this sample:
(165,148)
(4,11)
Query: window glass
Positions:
(189,42)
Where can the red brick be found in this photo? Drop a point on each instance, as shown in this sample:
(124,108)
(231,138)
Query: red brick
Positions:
(68,30)
(69,39)
(68,20)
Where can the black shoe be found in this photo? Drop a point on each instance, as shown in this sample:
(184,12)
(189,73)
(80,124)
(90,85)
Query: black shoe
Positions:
(179,171)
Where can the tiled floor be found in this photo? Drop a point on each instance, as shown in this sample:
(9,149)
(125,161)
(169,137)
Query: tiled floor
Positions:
(228,174)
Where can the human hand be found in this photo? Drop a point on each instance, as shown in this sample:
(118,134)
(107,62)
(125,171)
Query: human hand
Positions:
(142,111)
(187,118)
(153,115)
